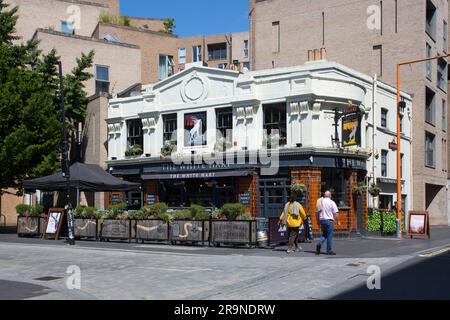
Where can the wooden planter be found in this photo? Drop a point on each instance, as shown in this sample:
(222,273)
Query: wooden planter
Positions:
(115,229)
(86,228)
(29,226)
(233,232)
(152,230)
(189,231)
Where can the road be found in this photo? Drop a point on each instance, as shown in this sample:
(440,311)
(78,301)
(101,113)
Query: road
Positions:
(37,269)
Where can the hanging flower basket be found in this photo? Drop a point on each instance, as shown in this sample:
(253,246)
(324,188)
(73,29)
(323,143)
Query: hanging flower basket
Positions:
(374,190)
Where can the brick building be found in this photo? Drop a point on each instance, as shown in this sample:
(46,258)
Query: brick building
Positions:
(372,37)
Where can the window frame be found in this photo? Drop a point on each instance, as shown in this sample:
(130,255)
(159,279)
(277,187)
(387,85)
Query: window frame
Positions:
(67,24)
(137,136)
(215,54)
(279,125)
(182,58)
(432,150)
(385,164)
(430,109)
(171,118)
(384,111)
(101,82)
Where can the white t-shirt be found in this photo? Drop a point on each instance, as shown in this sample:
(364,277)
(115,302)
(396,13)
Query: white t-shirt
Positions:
(329,209)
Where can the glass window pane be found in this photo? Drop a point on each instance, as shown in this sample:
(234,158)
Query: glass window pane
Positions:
(102,73)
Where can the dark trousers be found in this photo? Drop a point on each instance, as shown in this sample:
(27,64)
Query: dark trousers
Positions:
(293,234)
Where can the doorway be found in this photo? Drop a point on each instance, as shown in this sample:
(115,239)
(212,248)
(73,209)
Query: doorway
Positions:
(273,195)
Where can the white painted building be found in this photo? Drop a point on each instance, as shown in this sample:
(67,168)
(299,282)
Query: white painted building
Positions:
(300,101)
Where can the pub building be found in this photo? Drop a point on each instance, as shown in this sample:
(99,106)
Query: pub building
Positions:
(211,136)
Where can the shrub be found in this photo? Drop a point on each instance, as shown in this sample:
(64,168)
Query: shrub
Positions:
(90,213)
(233,210)
(154,210)
(78,212)
(389,222)
(183,215)
(246,216)
(22,209)
(165,216)
(298,188)
(36,210)
(373,223)
(117,209)
(137,215)
(199,212)
(216,214)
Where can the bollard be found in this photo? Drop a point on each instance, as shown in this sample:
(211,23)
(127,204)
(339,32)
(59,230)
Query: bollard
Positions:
(399,232)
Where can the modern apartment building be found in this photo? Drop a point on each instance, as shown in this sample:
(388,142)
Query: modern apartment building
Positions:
(373,37)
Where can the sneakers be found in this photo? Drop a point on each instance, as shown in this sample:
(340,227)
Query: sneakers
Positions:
(331,253)
(318,248)
(290,251)
(298,249)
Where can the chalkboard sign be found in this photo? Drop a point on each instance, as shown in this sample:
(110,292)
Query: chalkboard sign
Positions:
(245,198)
(150,199)
(116,198)
(53,223)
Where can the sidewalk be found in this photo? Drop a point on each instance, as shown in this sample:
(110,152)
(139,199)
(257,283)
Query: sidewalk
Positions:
(345,247)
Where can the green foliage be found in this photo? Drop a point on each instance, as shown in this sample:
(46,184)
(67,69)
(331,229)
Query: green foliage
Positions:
(137,215)
(233,210)
(246,217)
(199,212)
(374,190)
(23,209)
(360,189)
(115,210)
(145,26)
(168,148)
(30,125)
(298,188)
(154,210)
(117,20)
(183,215)
(36,210)
(165,216)
(168,26)
(373,223)
(133,151)
(217,214)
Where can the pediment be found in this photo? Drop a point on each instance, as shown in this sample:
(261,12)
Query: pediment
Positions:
(196,85)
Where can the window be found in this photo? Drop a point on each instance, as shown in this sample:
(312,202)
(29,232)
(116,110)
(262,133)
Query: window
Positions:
(101,79)
(135,137)
(431,20)
(222,65)
(377,62)
(225,123)
(181,55)
(217,51)
(430,106)
(170,126)
(276,37)
(442,74)
(384,118)
(444,155)
(196,53)
(247,65)
(444,115)
(401,123)
(445,38)
(429,64)
(67,27)
(335,180)
(166,67)
(245,48)
(275,119)
(384,163)
(402,156)
(430,149)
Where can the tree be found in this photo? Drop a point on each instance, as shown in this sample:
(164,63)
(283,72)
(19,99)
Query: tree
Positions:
(168,26)
(30,116)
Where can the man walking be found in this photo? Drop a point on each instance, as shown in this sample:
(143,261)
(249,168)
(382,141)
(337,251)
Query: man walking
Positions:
(327,215)
(293,216)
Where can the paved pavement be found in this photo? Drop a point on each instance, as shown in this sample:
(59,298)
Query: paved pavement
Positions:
(37,269)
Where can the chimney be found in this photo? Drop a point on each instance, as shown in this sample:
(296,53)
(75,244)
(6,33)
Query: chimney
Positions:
(317,54)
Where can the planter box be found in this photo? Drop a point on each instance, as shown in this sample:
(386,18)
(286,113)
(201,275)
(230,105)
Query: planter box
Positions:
(115,229)
(152,230)
(233,232)
(30,226)
(189,231)
(86,228)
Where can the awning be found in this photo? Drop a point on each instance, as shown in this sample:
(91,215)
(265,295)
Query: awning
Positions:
(197,175)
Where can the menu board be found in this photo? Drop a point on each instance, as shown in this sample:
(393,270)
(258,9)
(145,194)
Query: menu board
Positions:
(53,223)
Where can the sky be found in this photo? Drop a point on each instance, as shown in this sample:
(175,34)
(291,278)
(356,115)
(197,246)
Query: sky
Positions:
(193,17)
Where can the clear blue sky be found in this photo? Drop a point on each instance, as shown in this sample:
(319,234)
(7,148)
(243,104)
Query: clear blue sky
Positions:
(193,17)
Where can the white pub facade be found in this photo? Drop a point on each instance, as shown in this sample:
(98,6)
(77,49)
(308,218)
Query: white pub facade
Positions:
(210,136)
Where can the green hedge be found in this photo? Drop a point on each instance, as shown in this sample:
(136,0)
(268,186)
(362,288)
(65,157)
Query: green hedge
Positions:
(385,222)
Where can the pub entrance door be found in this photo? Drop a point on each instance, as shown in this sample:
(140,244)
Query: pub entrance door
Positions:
(273,195)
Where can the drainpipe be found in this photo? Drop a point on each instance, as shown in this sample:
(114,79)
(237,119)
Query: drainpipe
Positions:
(374,104)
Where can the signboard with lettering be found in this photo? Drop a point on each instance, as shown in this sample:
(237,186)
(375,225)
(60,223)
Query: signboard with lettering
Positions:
(150,199)
(351,130)
(245,198)
(116,198)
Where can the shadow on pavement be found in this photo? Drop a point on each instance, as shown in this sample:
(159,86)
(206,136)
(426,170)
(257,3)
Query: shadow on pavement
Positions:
(12,290)
(421,278)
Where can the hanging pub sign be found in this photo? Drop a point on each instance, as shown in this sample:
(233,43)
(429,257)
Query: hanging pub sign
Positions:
(393,145)
(150,199)
(351,130)
(195,129)
(245,198)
